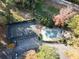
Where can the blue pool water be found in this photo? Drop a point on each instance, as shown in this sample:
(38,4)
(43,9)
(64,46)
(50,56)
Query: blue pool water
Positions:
(53,32)
(23,37)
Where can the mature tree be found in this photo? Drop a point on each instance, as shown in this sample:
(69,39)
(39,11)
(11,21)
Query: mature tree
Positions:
(64,14)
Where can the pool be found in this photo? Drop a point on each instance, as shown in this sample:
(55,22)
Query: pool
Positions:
(24,38)
(52,34)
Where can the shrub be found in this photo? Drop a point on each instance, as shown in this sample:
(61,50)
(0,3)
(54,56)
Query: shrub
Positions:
(9,15)
(74,24)
(47,52)
(72,54)
(43,13)
(31,54)
(16,15)
(74,42)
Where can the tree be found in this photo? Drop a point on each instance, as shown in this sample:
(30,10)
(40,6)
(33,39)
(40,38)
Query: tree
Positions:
(74,24)
(64,14)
